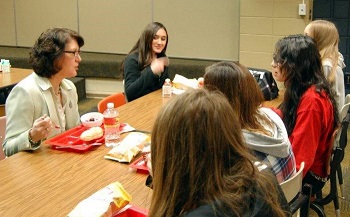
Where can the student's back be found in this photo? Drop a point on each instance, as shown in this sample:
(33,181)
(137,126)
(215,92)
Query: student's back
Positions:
(263,130)
(199,158)
(309,110)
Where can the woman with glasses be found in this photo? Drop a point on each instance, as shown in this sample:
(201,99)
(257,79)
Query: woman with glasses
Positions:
(145,68)
(45,103)
(309,110)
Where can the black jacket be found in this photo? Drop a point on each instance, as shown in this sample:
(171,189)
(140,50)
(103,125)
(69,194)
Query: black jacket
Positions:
(139,82)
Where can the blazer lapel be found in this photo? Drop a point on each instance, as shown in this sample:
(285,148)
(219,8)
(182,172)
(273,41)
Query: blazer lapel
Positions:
(46,87)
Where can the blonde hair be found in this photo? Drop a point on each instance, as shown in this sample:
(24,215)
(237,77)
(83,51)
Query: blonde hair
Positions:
(326,37)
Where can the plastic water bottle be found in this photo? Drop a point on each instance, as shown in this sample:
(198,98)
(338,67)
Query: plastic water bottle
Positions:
(5,66)
(167,88)
(2,60)
(111,125)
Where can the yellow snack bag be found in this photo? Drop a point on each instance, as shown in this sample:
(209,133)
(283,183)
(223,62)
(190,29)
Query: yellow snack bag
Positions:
(104,203)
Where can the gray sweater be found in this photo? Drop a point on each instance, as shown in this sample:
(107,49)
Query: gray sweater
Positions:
(338,84)
(277,145)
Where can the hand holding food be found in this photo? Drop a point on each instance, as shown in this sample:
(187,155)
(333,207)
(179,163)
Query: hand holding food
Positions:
(41,128)
(91,134)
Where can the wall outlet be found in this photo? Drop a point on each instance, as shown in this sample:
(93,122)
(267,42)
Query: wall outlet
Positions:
(302,9)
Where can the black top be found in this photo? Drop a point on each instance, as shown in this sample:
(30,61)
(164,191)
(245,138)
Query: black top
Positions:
(258,207)
(139,82)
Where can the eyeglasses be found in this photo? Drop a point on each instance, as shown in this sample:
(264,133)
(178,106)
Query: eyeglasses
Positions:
(274,57)
(76,53)
(274,65)
(275,61)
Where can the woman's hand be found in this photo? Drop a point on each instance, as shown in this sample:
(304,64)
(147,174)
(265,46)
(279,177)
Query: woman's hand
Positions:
(148,163)
(41,128)
(158,65)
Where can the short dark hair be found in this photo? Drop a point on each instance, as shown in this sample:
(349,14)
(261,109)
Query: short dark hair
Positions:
(49,47)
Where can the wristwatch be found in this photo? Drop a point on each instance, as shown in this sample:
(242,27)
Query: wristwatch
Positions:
(32,143)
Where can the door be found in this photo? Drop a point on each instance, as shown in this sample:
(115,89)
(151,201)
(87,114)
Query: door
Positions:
(337,11)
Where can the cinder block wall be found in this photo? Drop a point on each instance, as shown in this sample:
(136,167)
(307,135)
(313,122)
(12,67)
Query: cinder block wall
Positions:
(262,23)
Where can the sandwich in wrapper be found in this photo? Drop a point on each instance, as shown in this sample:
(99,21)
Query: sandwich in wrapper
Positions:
(183,83)
(131,145)
(104,203)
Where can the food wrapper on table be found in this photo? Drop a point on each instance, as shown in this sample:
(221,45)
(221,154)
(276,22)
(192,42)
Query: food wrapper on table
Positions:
(181,82)
(131,145)
(104,203)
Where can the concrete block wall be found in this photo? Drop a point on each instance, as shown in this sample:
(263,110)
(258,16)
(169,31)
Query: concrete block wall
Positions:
(262,23)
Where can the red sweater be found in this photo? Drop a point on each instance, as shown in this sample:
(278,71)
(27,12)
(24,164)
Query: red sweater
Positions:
(313,131)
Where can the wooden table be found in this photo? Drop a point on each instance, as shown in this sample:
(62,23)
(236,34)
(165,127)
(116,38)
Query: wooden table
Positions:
(49,182)
(275,102)
(10,79)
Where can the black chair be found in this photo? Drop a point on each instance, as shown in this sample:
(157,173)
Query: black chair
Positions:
(335,169)
(301,201)
(343,137)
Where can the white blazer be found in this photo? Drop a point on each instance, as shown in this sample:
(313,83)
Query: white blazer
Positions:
(30,99)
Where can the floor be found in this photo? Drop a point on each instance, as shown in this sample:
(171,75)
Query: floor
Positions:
(344,202)
(90,104)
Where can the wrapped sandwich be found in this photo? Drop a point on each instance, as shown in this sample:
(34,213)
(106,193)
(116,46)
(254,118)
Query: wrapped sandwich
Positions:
(131,145)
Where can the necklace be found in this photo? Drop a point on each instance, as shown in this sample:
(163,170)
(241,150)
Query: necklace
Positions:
(58,92)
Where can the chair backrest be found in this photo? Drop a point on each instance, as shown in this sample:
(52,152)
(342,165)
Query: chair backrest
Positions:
(333,142)
(337,154)
(2,135)
(344,123)
(2,110)
(292,186)
(345,109)
(117,98)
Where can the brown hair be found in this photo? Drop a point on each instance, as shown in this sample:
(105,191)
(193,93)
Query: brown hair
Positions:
(242,91)
(199,157)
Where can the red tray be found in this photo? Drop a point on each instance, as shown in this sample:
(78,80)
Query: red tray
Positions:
(139,165)
(70,140)
(133,211)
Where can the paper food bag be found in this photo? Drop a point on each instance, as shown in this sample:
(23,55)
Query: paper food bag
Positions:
(104,203)
(183,83)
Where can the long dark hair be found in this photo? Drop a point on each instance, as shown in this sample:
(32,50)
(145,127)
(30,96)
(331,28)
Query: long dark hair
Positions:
(143,45)
(301,64)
